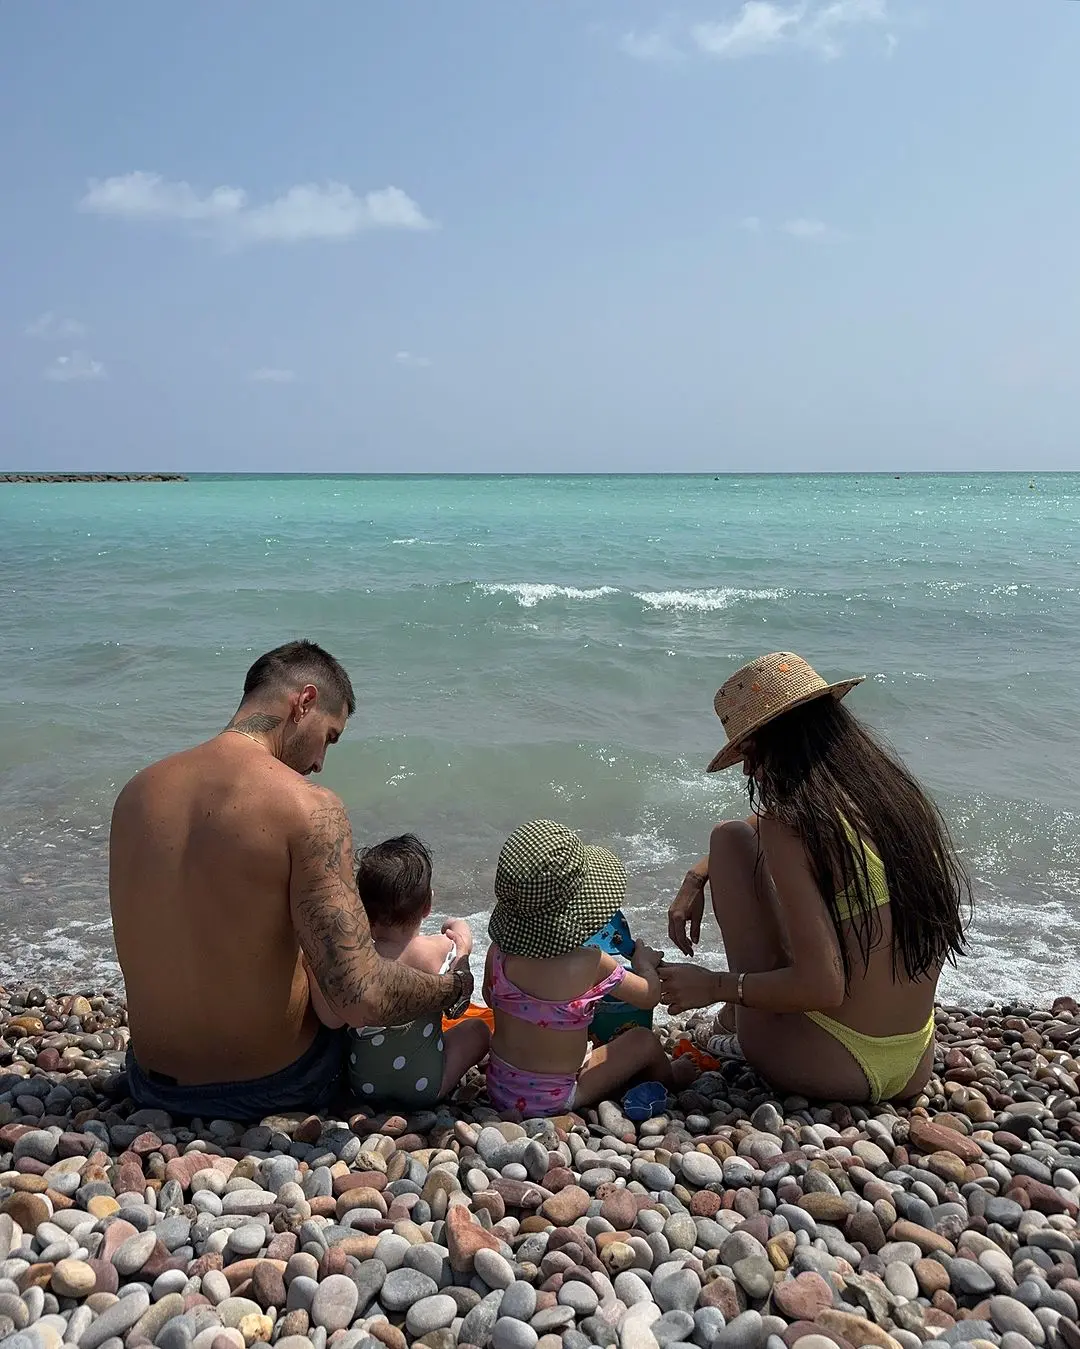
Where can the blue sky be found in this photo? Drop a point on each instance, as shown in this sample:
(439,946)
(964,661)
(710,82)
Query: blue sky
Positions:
(510,235)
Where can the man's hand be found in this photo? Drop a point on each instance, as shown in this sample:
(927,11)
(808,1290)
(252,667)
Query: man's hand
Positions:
(686,910)
(688,986)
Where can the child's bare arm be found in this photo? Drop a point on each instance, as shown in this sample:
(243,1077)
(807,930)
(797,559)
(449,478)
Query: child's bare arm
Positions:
(460,933)
(427,953)
(641,984)
(487,978)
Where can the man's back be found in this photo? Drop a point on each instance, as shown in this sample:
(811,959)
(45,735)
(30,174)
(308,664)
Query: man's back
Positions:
(199,888)
(225,860)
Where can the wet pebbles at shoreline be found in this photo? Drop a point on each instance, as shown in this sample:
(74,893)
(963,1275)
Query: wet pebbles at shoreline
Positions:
(735,1221)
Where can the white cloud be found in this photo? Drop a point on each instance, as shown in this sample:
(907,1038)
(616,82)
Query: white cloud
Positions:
(655,46)
(803,228)
(407,358)
(762,28)
(798,227)
(823,28)
(78,366)
(331,212)
(148,196)
(327,211)
(50,327)
(268,374)
(757,27)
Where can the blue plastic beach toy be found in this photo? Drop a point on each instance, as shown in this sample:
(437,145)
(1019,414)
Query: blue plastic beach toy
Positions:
(614,937)
(645,1100)
(612,1015)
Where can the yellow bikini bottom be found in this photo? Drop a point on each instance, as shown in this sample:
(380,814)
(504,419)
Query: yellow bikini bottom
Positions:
(888,1061)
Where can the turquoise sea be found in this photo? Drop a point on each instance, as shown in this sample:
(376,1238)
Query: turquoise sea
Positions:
(547,646)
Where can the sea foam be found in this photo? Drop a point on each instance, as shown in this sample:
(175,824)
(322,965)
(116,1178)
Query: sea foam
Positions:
(529,593)
(703,601)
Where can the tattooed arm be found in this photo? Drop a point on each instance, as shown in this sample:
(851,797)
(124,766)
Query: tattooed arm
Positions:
(360,986)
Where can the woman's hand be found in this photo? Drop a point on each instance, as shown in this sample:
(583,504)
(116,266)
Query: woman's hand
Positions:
(688,986)
(686,911)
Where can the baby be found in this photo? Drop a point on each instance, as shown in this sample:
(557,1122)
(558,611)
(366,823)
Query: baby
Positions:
(543,983)
(414,1065)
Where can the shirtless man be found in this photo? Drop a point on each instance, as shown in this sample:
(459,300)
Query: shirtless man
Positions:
(225,864)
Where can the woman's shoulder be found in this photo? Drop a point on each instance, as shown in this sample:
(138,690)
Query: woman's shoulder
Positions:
(775,833)
(778,836)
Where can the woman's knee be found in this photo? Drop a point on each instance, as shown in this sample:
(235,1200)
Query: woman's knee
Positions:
(734,838)
(734,834)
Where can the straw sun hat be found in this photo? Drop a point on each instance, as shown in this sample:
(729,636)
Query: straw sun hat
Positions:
(764,689)
(552,891)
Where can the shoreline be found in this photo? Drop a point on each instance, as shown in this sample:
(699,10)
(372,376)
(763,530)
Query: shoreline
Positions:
(738,1220)
(91,477)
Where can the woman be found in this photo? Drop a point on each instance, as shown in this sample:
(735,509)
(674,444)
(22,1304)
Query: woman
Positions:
(839,901)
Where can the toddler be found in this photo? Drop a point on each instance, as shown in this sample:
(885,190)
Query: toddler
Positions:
(543,983)
(414,1065)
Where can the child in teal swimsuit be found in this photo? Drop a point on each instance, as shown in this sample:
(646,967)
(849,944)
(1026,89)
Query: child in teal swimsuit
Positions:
(414,1065)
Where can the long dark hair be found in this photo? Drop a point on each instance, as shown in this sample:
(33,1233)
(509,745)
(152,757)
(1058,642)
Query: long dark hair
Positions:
(816,767)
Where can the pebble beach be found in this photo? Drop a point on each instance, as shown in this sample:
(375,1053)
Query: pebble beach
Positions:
(736,1220)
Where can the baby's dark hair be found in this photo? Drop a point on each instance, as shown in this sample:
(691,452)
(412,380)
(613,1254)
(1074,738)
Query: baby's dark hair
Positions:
(394,880)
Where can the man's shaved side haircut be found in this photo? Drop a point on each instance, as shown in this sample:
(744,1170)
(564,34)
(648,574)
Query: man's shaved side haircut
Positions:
(295,664)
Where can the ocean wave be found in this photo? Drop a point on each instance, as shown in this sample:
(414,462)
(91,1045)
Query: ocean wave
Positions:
(79,956)
(1010,956)
(529,594)
(703,601)
(414,541)
(947,587)
(1011,588)
(649,848)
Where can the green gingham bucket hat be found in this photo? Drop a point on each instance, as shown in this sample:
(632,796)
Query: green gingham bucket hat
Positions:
(552,891)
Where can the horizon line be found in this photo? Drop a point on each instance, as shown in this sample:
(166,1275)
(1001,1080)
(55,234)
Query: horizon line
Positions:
(714,474)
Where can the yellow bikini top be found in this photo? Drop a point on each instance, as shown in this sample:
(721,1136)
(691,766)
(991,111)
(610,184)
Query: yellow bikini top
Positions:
(847,899)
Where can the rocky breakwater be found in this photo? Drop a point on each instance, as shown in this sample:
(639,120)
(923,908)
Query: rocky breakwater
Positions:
(90,477)
(735,1221)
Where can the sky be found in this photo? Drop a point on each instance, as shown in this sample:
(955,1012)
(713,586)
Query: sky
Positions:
(540,235)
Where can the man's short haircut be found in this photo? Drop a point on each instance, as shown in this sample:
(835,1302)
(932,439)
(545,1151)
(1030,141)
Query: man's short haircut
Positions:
(394,880)
(295,664)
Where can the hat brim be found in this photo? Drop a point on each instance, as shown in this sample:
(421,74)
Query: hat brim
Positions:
(731,753)
(543,933)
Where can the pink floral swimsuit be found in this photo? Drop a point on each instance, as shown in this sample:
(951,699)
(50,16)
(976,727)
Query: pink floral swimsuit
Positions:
(530,1093)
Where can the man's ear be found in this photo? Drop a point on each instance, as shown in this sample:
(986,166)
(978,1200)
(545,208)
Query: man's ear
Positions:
(427,906)
(306,701)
